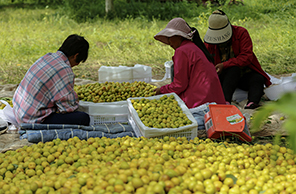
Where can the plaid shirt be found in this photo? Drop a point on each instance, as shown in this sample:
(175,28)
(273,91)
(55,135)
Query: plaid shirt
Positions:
(47,87)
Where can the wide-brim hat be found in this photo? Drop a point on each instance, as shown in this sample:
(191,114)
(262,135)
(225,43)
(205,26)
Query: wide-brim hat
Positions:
(220,30)
(176,27)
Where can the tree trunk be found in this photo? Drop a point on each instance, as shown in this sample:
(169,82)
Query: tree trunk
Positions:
(109,5)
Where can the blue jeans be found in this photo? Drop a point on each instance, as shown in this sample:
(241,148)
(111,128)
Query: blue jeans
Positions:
(75,118)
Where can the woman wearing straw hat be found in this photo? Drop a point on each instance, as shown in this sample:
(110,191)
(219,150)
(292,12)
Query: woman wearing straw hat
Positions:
(195,78)
(235,61)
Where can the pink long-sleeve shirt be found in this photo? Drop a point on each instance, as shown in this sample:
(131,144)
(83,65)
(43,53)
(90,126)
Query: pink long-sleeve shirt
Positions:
(195,78)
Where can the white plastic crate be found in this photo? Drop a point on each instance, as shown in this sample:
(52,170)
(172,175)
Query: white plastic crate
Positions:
(125,74)
(100,119)
(188,131)
(144,79)
(168,66)
(119,81)
(106,112)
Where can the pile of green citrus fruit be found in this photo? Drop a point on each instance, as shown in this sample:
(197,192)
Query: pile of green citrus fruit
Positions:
(164,112)
(113,91)
(151,166)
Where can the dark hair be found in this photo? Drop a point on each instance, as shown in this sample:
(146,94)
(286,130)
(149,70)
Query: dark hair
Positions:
(75,44)
(199,43)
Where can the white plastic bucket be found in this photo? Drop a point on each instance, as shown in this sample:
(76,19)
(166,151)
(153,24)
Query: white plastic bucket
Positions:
(125,74)
(113,74)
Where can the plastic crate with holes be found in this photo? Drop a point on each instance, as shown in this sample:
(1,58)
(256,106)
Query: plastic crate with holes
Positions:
(125,74)
(189,131)
(109,112)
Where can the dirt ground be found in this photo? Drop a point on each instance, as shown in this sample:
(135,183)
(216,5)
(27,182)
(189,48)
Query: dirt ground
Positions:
(11,141)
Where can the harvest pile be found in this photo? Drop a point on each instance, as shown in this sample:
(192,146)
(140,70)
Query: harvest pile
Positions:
(161,113)
(151,166)
(113,91)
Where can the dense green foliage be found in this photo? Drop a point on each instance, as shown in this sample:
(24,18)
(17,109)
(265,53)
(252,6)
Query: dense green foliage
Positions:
(31,29)
(87,10)
(82,12)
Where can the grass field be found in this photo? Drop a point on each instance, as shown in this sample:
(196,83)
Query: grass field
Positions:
(28,33)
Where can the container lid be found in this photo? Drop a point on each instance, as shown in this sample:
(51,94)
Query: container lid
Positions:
(226,118)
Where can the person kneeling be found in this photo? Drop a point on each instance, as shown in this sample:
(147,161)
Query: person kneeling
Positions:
(46,94)
(235,61)
(195,79)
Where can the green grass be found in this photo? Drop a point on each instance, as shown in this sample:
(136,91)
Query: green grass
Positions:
(27,34)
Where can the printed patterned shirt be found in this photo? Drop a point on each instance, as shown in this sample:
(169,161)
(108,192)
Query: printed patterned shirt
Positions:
(47,87)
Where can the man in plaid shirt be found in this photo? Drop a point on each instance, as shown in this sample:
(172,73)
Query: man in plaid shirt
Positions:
(46,94)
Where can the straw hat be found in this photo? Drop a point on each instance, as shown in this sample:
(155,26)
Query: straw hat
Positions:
(219,30)
(176,26)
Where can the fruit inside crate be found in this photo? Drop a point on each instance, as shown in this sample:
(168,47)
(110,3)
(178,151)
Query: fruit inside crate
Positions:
(113,91)
(188,133)
(106,102)
(152,131)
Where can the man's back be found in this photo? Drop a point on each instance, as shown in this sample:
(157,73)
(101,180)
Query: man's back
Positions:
(46,82)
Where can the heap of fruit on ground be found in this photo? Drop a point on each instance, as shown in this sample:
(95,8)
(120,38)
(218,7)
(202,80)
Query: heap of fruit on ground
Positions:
(113,91)
(140,165)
